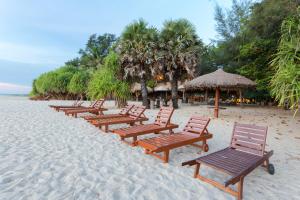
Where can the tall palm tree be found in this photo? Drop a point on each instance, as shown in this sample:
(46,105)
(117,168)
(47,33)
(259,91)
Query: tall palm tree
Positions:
(137,47)
(179,52)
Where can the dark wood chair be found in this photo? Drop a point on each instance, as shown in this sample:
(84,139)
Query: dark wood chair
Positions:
(246,153)
(194,131)
(162,123)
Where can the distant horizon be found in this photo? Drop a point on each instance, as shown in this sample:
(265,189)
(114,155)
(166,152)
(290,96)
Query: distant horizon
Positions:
(37,37)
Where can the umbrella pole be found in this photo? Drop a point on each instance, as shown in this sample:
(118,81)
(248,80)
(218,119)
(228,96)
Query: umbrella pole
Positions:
(217,97)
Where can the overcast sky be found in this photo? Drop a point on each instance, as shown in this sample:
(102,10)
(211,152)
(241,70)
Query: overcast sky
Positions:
(39,35)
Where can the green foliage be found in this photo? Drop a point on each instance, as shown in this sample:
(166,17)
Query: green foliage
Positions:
(54,82)
(97,48)
(180,49)
(137,49)
(79,83)
(34,91)
(104,82)
(285,83)
(151,84)
(249,37)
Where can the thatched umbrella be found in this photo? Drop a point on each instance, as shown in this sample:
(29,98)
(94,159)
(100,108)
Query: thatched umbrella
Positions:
(219,80)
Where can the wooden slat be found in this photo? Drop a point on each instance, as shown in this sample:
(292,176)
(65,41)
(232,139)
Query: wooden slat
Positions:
(249,138)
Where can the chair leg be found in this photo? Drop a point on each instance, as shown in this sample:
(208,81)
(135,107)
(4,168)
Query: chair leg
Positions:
(134,141)
(240,189)
(197,169)
(166,156)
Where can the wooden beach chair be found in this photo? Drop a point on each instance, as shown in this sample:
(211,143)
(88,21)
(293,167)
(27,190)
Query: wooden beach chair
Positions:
(162,123)
(194,131)
(135,114)
(246,152)
(95,108)
(124,112)
(89,106)
(76,104)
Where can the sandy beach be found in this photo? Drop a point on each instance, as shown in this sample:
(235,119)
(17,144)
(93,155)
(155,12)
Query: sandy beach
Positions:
(46,155)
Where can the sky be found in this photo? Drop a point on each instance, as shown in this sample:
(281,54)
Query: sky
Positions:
(38,36)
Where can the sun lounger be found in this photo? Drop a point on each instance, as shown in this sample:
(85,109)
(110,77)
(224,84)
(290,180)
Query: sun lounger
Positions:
(124,112)
(135,114)
(246,152)
(194,131)
(90,106)
(95,108)
(76,104)
(162,123)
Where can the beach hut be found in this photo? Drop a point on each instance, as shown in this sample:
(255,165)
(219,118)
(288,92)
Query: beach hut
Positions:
(220,80)
(136,89)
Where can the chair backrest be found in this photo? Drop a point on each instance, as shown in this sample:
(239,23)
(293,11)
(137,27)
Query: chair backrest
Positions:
(136,111)
(98,104)
(126,109)
(249,138)
(164,116)
(75,102)
(197,125)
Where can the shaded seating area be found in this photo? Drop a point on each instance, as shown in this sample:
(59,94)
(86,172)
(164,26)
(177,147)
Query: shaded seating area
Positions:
(135,114)
(245,153)
(220,80)
(123,112)
(162,123)
(194,131)
(95,108)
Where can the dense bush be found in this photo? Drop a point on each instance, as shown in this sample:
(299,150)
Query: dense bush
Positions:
(54,83)
(79,83)
(105,82)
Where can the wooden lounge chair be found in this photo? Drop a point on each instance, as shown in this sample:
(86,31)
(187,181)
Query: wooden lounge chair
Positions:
(96,108)
(162,123)
(246,152)
(81,107)
(194,131)
(135,114)
(124,112)
(76,104)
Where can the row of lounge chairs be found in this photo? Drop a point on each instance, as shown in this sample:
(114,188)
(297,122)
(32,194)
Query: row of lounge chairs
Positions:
(245,153)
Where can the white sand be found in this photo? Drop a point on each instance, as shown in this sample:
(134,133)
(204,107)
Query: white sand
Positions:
(46,155)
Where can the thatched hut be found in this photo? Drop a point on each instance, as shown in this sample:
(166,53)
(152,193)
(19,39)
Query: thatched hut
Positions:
(220,80)
(136,89)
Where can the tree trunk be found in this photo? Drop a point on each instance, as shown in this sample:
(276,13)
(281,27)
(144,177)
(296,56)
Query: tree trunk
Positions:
(174,92)
(144,92)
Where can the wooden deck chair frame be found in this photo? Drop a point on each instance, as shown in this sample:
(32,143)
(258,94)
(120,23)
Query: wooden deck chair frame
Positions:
(194,131)
(246,153)
(76,104)
(123,112)
(135,115)
(95,108)
(161,123)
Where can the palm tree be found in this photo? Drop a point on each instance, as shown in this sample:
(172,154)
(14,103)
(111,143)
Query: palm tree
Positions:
(179,52)
(137,47)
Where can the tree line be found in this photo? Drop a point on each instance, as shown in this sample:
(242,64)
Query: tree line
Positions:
(259,40)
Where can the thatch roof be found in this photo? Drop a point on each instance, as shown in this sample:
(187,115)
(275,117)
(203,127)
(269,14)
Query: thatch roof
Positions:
(220,79)
(161,87)
(137,87)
